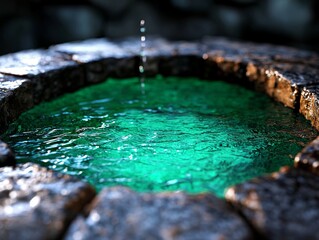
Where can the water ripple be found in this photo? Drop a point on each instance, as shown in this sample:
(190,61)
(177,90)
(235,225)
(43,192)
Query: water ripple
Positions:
(180,135)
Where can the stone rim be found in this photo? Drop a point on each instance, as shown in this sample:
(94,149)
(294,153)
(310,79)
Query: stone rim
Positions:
(287,75)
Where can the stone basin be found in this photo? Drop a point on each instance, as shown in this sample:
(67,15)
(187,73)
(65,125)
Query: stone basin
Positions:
(38,203)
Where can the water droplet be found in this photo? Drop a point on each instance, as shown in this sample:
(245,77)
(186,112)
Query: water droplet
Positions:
(141,68)
(144,58)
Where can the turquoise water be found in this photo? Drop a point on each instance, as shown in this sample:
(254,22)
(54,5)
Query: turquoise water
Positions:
(181,134)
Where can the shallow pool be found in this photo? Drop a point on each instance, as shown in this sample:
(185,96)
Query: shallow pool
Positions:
(176,134)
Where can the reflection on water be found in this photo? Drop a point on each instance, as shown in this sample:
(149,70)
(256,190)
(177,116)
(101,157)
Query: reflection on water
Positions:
(182,134)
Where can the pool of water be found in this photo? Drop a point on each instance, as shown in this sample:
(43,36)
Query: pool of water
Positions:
(176,134)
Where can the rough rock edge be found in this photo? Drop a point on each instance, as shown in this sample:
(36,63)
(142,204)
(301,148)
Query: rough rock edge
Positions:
(282,205)
(7,156)
(37,203)
(308,158)
(120,213)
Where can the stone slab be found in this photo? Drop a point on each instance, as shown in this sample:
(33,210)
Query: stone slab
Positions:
(167,58)
(52,73)
(91,50)
(7,156)
(37,203)
(279,71)
(290,80)
(309,104)
(33,62)
(16,96)
(308,158)
(102,58)
(51,84)
(274,53)
(119,213)
(284,205)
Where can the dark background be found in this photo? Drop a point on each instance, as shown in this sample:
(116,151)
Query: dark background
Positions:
(26,24)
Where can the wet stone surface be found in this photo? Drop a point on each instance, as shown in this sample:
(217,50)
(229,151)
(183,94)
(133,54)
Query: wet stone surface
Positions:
(289,79)
(284,205)
(91,50)
(119,213)
(33,62)
(308,158)
(45,69)
(7,157)
(37,203)
(279,71)
(257,52)
(309,104)
(16,96)
(101,58)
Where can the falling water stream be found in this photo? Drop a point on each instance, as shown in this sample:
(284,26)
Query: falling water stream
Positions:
(142,54)
(182,134)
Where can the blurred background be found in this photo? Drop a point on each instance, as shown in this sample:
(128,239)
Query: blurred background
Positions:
(26,24)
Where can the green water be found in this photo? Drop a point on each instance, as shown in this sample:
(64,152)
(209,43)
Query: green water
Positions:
(181,134)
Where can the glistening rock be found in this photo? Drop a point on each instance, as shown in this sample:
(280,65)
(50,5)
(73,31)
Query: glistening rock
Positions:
(36,203)
(280,206)
(119,213)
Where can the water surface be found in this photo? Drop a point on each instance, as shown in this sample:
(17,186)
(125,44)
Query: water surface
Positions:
(181,134)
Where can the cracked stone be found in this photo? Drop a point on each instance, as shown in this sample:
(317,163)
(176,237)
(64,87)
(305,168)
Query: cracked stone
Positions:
(279,71)
(284,205)
(119,213)
(16,96)
(37,203)
(100,59)
(45,69)
(309,104)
